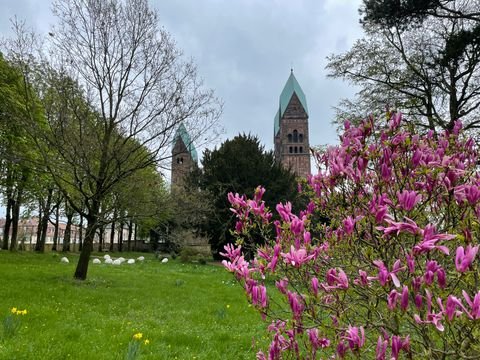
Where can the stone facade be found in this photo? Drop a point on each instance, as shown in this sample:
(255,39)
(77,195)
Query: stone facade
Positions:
(292,147)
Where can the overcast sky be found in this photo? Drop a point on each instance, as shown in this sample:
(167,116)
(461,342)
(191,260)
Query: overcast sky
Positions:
(244,50)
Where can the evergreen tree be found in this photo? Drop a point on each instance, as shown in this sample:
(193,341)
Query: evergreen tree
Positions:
(239,165)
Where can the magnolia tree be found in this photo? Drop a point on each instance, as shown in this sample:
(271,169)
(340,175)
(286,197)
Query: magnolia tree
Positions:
(391,271)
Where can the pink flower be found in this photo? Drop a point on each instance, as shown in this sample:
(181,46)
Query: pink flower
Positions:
(410,263)
(430,238)
(297,226)
(296,257)
(296,304)
(408,226)
(408,199)
(381,351)
(285,211)
(404,299)
(348,225)
(363,279)
(465,257)
(335,280)
(392,299)
(399,344)
(341,349)
(231,252)
(236,200)
(474,312)
(451,307)
(314,283)
(259,191)
(315,339)
(355,337)
(259,295)
(384,274)
(282,285)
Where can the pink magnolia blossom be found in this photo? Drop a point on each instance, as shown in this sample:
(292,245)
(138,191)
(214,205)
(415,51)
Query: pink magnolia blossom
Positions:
(285,211)
(410,263)
(355,337)
(432,318)
(392,299)
(282,285)
(335,280)
(296,304)
(363,279)
(474,312)
(316,341)
(314,283)
(236,200)
(381,350)
(399,344)
(408,199)
(232,252)
(348,225)
(465,257)
(404,298)
(430,239)
(384,274)
(259,296)
(297,257)
(408,226)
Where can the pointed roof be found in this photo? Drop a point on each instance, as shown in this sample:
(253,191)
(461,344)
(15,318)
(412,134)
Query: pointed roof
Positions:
(291,87)
(182,133)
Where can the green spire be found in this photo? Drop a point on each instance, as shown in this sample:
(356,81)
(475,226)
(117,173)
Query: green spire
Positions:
(183,134)
(291,86)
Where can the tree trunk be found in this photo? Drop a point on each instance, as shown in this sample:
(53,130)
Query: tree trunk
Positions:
(8,223)
(55,232)
(120,237)
(16,217)
(40,246)
(130,231)
(80,234)
(112,235)
(68,232)
(135,241)
(82,265)
(101,231)
(112,230)
(92,224)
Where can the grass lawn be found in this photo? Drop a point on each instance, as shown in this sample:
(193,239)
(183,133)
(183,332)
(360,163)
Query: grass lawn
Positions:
(186,311)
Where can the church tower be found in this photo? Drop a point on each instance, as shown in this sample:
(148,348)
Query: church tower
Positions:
(291,138)
(184,156)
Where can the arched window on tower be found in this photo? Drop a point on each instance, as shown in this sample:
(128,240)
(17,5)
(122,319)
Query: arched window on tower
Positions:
(300,137)
(295,136)
(296,150)
(290,150)
(290,138)
(301,150)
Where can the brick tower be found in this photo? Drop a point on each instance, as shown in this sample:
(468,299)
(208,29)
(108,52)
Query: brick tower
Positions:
(291,138)
(184,155)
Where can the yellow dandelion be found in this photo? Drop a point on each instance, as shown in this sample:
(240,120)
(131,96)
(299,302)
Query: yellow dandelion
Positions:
(146,342)
(24,312)
(228,306)
(14,310)
(138,336)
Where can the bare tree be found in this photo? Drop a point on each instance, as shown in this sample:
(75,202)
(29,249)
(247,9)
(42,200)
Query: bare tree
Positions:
(113,99)
(431,73)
